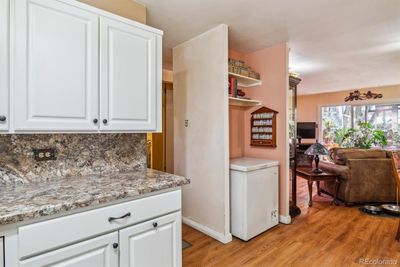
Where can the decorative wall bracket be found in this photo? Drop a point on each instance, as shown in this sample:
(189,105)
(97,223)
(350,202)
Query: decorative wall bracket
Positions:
(357,95)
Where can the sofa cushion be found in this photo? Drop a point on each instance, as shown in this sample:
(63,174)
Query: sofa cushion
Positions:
(341,155)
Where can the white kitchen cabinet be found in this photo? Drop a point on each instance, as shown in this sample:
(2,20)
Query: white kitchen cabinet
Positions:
(4,65)
(140,232)
(2,251)
(72,75)
(153,243)
(73,228)
(100,252)
(130,81)
(56,67)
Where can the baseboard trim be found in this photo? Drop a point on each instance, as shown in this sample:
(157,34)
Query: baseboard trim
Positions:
(208,231)
(285,219)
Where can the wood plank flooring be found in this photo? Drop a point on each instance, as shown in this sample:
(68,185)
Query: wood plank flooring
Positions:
(324,235)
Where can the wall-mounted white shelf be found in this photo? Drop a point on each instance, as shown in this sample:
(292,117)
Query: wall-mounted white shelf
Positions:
(233,101)
(244,81)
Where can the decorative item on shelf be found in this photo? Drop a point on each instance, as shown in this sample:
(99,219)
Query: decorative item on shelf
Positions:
(254,75)
(357,95)
(316,150)
(236,62)
(263,127)
(244,71)
(233,87)
(240,93)
(239,67)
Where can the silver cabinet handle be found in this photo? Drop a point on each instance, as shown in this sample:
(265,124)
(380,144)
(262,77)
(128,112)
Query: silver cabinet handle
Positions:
(3,118)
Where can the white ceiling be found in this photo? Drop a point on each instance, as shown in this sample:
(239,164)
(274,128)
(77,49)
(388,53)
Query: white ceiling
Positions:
(335,44)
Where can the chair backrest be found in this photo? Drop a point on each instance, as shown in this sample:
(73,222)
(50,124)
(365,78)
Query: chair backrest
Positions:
(394,158)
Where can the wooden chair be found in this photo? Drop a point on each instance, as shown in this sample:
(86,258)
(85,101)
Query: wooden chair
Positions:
(397,175)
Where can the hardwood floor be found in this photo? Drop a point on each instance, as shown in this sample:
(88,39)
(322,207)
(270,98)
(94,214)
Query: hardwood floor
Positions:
(323,235)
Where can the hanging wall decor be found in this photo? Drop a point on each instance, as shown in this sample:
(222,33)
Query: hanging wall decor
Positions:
(263,127)
(357,95)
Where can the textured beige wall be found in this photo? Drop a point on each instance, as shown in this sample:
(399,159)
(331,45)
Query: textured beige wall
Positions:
(124,8)
(201,149)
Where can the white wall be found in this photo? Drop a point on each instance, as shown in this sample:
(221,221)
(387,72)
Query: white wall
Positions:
(201,150)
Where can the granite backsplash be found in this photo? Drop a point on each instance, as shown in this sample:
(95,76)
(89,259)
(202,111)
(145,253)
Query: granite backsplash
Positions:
(77,155)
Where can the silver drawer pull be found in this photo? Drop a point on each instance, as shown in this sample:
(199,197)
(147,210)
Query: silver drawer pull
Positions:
(110,219)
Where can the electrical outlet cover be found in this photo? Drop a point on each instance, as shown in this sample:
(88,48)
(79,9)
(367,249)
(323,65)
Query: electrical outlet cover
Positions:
(44,154)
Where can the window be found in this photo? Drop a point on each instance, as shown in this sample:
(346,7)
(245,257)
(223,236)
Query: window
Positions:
(334,118)
(382,116)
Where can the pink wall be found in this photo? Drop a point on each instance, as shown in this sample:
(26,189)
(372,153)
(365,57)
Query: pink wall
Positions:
(308,105)
(272,64)
(236,132)
(236,121)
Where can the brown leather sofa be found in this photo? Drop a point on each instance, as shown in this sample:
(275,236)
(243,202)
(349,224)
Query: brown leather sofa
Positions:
(365,175)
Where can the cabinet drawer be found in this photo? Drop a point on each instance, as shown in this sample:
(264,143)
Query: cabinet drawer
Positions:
(98,251)
(39,237)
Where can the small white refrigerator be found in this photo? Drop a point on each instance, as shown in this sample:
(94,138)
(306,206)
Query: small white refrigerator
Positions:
(254,196)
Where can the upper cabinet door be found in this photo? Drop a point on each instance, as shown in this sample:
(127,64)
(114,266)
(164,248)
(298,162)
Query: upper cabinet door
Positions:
(4,65)
(56,67)
(130,77)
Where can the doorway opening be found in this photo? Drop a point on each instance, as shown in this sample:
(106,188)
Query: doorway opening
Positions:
(160,146)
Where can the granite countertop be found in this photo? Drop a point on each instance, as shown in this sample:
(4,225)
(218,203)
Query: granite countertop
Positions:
(36,199)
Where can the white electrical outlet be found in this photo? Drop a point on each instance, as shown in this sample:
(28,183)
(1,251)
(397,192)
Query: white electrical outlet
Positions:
(274,215)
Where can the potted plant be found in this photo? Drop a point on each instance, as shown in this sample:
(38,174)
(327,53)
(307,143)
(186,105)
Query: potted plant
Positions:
(364,136)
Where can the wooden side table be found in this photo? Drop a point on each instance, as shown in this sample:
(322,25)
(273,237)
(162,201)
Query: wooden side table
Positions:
(308,174)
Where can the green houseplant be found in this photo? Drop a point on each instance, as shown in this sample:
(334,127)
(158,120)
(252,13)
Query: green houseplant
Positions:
(364,136)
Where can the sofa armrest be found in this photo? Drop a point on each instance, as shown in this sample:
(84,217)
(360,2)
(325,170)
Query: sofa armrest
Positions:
(341,170)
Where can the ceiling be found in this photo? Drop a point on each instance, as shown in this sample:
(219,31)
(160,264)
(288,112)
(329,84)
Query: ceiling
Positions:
(334,44)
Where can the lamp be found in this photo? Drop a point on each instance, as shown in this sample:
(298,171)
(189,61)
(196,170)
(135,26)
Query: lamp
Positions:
(316,150)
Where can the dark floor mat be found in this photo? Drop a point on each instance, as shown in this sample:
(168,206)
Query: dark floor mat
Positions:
(185,244)
(382,214)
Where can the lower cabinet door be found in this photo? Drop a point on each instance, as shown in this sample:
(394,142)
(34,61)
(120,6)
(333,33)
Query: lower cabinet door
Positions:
(155,243)
(96,252)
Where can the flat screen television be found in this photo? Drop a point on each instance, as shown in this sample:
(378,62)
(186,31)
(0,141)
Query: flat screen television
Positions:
(306,130)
